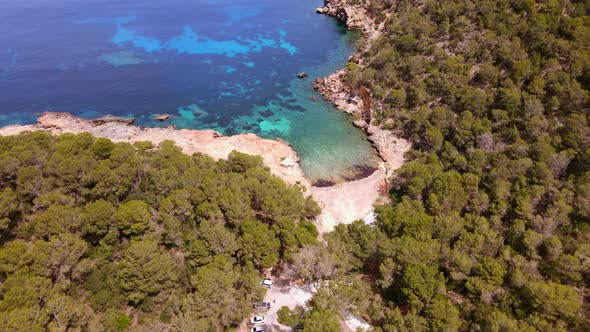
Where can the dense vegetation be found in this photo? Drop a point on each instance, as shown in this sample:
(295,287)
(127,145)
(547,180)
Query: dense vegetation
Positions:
(488,229)
(489,226)
(98,236)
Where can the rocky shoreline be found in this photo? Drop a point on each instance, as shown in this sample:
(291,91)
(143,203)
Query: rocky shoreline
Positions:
(358,101)
(278,155)
(354,16)
(355,200)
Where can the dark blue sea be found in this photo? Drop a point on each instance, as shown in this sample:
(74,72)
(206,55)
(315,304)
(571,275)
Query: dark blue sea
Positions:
(224,65)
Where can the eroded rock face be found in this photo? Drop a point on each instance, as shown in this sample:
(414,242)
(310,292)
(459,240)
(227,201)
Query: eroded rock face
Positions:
(351,15)
(335,88)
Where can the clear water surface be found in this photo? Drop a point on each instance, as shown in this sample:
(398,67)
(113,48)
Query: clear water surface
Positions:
(216,64)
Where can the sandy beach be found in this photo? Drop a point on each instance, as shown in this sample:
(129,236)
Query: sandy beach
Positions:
(342,203)
(350,201)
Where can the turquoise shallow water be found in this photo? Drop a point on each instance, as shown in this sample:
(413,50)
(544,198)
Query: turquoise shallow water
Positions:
(224,65)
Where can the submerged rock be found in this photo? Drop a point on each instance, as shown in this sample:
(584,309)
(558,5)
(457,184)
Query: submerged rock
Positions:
(112,119)
(267,113)
(119,59)
(163,117)
(323,184)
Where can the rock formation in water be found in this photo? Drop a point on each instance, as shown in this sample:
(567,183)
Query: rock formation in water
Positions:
(163,117)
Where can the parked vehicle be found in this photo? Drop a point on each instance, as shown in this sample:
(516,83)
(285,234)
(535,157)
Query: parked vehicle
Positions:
(257,320)
(262,305)
(257,329)
(266,283)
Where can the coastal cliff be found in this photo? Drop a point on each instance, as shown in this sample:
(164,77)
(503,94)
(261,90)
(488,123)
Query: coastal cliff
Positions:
(357,100)
(354,15)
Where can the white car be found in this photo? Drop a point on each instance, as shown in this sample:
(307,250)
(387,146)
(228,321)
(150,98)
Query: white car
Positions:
(257,329)
(266,283)
(257,320)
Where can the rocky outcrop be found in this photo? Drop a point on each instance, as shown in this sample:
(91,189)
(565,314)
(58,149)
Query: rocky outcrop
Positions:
(353,15)
(336,89)
(112,119)
(209,142)
(163,117)
(360,124)
(57,118)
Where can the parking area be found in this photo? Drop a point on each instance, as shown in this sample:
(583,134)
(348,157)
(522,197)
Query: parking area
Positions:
(284,295)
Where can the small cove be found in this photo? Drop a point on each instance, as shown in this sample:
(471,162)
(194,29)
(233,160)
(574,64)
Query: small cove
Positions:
(224,65)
